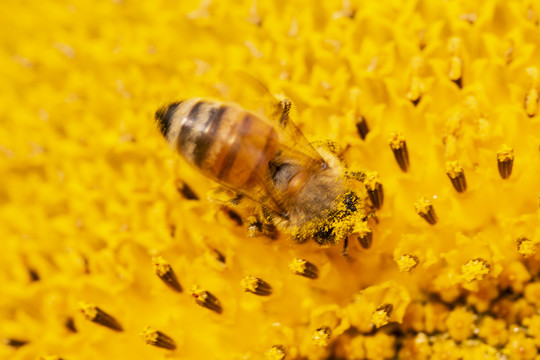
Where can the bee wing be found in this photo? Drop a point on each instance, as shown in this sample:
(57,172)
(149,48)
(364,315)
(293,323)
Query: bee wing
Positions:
(281,112)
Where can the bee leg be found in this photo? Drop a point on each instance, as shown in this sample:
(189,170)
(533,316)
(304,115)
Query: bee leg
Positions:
(330,146)
(257,226)
(356,175)
(345,251)
(225,197)
(283,110)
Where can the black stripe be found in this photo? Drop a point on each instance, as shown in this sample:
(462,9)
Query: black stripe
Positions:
(204,141)
(233,152)
(164,116)
(187,127)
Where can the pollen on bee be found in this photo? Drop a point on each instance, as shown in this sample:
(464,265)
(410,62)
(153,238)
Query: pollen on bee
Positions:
(505,161)
(321,336)
(206,299)
(95,314)
(364,234)
(374,189)
(276,352)
(425,209)
(256,286)
(399,148)
(165,272)
(158,339)
(457,175)
(304,268)
(14,343)
(381,316)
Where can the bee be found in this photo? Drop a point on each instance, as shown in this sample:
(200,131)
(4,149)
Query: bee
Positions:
(300,188)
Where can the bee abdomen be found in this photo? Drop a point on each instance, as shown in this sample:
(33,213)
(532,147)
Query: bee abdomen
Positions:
(225,142)
(199,131)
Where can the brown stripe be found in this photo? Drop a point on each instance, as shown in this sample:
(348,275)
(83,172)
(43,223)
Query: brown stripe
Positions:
(187,127)
(233,152)
(205,140)
(269,141)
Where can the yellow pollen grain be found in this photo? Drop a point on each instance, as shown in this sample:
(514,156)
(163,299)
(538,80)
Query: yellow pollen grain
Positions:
(422,206)
(250,283)
(526,247)
(161,267)
(454,169)
(396,141)
(505,153)
(380,318)
(276,352)
(298,266)
(407,262)
(321,336)
(475,269)
(371,180)
(90,311)
(150,335)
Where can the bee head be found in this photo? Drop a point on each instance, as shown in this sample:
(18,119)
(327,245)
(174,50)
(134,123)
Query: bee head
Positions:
(164,117)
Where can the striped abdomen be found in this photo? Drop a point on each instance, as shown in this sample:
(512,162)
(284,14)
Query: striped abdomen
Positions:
(225,142)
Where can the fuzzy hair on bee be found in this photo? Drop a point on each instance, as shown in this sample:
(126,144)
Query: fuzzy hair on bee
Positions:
(302,189)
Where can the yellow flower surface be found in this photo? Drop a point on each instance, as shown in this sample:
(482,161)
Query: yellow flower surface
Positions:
(110,248)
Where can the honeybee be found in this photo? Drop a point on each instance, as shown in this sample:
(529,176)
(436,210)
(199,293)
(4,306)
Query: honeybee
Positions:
(300,188)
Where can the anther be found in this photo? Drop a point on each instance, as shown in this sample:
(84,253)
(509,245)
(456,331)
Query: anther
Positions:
(233,215)
(407,262)
(399,148)
(456,64)
(362,126)
(256,286)
(361,123)
(374,189)
(165,272)
(321,336)
(457,175)
(158,339)
(531,99)
(93,313)
(14,343)
(185,190)
(526,247)
(70,325)
(206,299)
(304,268)
(416,90)
(276,352)
(531,102)
(505,161)
(381,316)
(364,234)
(34,276)
(50,357)
(425,209)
